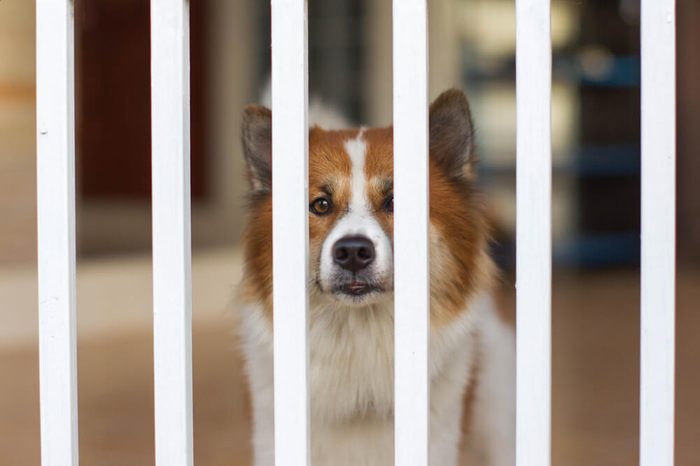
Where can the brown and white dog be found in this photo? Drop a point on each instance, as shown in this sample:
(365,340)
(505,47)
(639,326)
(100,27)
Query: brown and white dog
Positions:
(351,298)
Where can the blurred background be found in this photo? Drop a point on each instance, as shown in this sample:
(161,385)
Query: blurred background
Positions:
(596,186)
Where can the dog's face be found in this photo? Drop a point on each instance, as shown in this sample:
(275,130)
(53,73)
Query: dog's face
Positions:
(351,214)
(351,208)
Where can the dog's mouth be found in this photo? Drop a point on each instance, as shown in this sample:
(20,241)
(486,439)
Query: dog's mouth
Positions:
(353,288)
(357,288)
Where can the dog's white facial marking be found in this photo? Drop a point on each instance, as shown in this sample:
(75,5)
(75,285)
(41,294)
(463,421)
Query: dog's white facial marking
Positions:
(357,150)
(358,221)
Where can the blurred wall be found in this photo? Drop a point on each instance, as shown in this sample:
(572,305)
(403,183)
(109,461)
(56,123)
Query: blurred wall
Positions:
(114,225)
(118,225)
(443,54)
(233,46)
(17,141)
(231,86)
(688,114)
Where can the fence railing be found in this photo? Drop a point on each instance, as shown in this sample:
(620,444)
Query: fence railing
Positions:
(171,232)
(411,274)
(172,284)
(55,125)
(290,229)
(657,382)
(534,229)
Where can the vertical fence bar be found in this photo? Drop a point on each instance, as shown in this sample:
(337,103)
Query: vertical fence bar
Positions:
(533,261)
(658,232)
(56,231)
(172,300)
(411,215)
(290,132)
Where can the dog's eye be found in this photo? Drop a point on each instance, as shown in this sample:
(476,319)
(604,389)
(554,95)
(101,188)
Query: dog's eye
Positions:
(389,203)
(321,206)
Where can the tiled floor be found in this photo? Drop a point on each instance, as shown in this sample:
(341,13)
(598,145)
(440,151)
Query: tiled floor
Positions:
(595,371)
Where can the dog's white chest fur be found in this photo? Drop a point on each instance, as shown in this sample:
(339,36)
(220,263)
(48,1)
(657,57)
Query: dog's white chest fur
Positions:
(351,370)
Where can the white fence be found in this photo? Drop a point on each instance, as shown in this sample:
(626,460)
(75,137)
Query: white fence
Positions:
(171,232)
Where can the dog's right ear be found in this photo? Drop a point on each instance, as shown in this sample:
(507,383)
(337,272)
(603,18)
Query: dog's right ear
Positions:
(256,136)
(452,135)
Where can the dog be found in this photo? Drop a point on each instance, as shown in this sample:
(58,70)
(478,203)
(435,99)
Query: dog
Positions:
(351,306)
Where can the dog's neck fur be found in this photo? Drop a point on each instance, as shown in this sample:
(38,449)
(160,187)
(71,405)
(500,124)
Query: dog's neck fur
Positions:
(351,373)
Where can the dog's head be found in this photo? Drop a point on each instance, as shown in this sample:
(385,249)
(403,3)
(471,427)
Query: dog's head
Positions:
(351,210)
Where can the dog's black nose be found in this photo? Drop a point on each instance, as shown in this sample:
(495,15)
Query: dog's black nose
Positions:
(353,253)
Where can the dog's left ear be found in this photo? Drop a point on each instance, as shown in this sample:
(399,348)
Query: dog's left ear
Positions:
(256,138)
(452,135)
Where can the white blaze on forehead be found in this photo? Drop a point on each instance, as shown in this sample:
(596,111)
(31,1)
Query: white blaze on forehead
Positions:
(358,220)
(356,149)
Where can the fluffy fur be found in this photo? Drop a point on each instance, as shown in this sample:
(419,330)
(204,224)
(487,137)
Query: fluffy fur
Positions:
(351,313)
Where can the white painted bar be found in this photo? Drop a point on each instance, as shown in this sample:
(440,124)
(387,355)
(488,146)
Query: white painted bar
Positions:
(534,244)
(55,100)
(658,232)
(172,300)
(290,230)
(411,215)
